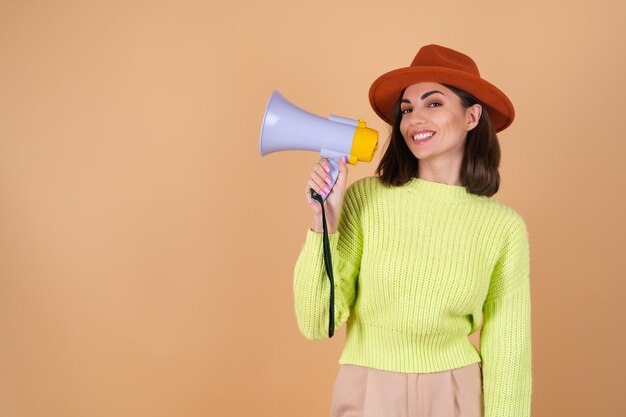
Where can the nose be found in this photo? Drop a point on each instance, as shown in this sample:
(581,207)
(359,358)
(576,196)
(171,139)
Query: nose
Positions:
(416,117)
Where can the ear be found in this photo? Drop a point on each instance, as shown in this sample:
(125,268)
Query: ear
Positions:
(472,116)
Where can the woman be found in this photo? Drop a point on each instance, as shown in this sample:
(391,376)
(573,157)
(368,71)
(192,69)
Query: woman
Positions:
(423,256)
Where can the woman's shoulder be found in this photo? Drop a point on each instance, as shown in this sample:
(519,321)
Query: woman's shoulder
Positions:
(365,184)
(507,213)
(360,192)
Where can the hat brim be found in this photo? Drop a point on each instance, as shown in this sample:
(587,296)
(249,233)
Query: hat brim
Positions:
(386,90)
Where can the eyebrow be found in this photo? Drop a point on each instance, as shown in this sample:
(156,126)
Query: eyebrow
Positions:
(423,97)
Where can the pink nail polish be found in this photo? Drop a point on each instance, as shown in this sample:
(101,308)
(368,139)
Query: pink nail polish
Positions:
(327,168)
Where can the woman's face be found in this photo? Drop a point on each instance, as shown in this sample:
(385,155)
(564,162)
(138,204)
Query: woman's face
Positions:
(434,124)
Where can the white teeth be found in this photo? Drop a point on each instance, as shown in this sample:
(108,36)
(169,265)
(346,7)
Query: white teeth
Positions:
(422,136)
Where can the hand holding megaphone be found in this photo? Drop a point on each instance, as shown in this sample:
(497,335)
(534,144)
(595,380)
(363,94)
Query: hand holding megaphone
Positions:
(319,182)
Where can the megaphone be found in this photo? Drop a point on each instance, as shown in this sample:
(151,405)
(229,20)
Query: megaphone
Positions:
(288,127)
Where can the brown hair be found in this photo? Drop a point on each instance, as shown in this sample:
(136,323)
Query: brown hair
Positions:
(481,155)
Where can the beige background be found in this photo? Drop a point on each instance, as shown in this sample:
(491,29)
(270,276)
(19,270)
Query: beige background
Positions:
(147,250)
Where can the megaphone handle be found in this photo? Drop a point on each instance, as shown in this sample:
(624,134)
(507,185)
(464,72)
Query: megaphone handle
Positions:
(334,174)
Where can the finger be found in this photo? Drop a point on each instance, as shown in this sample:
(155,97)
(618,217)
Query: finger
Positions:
(343,162)
(313,185)
(343,172)
(325,164)
(324,176)
(321,177)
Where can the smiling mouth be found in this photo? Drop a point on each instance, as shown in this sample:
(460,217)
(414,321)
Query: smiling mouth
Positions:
(423,136)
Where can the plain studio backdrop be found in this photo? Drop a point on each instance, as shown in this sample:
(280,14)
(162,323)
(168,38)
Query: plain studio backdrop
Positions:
(147,249)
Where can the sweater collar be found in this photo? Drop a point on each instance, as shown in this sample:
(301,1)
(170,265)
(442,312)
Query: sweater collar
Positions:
(438,190)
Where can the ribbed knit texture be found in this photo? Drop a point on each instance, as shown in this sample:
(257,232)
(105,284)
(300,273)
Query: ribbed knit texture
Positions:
(417,269)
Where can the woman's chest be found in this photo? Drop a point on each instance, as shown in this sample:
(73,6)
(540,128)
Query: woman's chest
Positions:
(426,254)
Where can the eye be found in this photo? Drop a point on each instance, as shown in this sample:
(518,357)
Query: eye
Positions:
(406,110)
(434,104)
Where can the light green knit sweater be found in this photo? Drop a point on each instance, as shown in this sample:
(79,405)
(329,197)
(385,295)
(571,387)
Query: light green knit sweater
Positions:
(417,269)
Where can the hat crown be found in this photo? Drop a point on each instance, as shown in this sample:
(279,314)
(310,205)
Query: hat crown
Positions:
(440,56)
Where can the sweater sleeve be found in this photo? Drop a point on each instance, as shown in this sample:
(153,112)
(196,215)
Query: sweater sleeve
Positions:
(311,284)
(505,340)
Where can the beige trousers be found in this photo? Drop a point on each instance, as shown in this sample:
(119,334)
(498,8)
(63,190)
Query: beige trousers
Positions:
(369,392)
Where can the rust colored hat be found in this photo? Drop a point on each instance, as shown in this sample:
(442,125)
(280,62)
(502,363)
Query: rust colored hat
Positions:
(445,66)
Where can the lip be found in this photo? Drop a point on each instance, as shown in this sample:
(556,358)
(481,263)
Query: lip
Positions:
(419,132)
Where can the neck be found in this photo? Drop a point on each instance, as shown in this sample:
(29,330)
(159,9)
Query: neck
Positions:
(445,172)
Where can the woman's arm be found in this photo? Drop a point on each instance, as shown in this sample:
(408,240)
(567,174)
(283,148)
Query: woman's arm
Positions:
(311,284)
(505,340)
